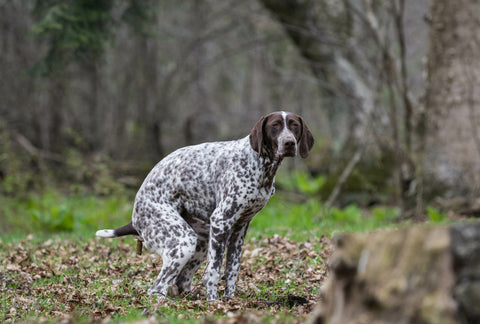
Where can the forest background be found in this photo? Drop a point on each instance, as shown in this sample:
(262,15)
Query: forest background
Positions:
(95,92)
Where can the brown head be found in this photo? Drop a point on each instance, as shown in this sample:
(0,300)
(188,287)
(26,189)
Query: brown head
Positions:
(280,134)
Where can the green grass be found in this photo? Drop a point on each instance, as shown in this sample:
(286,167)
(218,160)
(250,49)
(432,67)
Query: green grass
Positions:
(53,212)
(81,215)
(301,221)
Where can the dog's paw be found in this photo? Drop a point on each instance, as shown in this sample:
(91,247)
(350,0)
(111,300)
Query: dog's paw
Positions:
(172,291)
(155,292)
(198,292)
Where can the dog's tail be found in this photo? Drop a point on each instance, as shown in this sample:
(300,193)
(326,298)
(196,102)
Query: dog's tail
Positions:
(121,231)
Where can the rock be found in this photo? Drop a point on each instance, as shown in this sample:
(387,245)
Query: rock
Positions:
(413,275)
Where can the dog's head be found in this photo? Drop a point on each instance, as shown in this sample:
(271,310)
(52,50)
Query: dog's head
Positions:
(281,134)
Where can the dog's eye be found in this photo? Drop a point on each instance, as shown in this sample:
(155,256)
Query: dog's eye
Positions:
(276,125)
(294,125)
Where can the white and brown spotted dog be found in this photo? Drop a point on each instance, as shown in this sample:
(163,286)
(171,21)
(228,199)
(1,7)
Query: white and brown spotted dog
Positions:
(198,201)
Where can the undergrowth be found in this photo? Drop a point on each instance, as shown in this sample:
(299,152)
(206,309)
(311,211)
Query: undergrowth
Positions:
(52,212)
(79,215)
(296,211)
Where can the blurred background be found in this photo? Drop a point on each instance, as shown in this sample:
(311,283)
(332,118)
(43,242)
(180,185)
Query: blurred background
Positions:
(95,92)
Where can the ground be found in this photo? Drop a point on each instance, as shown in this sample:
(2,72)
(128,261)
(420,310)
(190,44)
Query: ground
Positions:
(83,280)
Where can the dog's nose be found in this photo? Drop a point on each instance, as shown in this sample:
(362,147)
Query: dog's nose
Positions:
(289,145)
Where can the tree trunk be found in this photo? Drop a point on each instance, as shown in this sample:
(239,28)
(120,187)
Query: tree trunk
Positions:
(57,96)
(302,24)
(452,97)
(426,274)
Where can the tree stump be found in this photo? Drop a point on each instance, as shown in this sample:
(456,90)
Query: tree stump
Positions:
(425,274)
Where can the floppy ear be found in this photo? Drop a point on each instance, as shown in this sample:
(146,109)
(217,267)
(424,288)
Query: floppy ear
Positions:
(306,140)
(256,135)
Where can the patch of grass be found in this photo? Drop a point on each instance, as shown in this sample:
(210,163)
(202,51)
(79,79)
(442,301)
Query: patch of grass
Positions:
(283,218)
(302,221)
(301,182)
(81,215)
(53,212)
(434,215)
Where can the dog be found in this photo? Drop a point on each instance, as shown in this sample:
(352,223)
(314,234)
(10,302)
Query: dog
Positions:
(198,201)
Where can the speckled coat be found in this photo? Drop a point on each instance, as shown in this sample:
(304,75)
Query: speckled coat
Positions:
(198,201)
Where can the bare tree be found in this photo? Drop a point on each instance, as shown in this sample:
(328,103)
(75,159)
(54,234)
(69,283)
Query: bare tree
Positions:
(453,97)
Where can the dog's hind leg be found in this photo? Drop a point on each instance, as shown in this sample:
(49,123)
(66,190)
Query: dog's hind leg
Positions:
(167,234)
(184,279)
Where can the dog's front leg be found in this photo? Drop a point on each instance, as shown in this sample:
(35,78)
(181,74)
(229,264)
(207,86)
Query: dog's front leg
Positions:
(219,231)
(234,252)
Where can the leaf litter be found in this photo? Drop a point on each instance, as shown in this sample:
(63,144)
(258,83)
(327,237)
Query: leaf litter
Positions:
(100,280)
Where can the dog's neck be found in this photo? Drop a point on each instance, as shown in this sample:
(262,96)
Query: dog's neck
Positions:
(270,167)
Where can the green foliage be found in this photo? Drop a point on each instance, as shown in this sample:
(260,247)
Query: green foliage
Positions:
(303,220)
(84,213)
(80,30)
(54,212)
(350,215)
(301,181)
(140,15)
(53,219)
(384,213)
(435,215)
(74,30)
(352,218)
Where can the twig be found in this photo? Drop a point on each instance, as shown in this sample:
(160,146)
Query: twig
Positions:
(344,176)
(139,247)
(32,150)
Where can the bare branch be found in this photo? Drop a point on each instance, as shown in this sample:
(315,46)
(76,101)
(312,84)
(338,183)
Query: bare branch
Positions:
(344,177)
(34,151)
